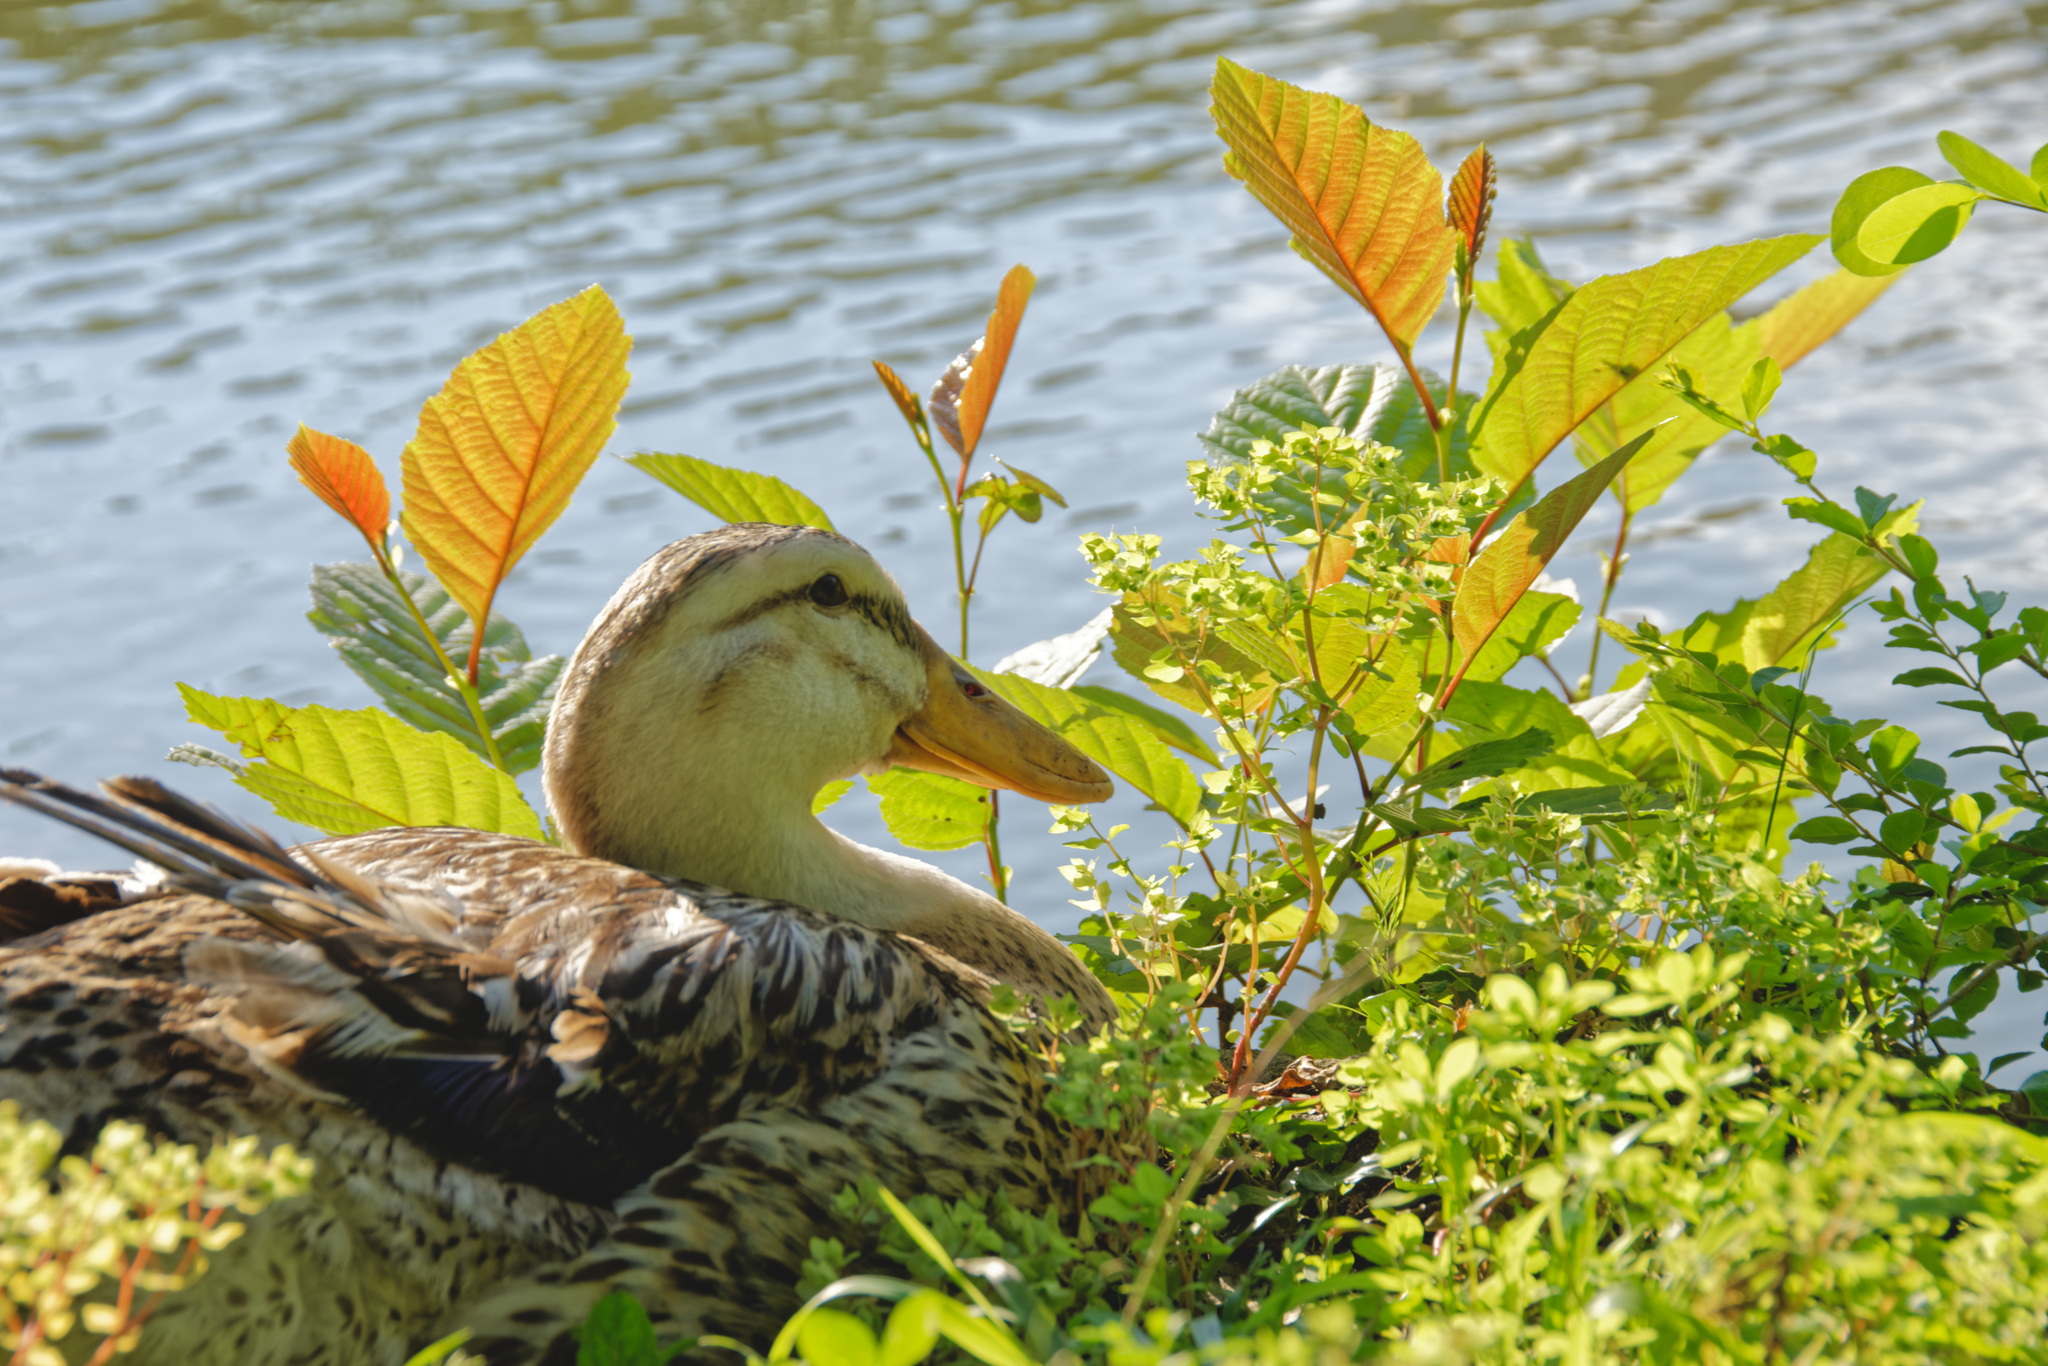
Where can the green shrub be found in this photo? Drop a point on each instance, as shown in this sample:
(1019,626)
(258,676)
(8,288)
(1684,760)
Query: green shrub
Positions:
(1585,1073)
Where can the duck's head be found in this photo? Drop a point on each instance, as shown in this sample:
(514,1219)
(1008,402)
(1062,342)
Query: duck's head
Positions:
(738,672)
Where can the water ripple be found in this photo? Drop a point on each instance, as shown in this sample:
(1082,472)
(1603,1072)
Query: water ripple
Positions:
(222,219)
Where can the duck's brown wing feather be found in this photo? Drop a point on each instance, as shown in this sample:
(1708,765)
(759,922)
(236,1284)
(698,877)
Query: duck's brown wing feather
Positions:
(702,1072)
(559,1020)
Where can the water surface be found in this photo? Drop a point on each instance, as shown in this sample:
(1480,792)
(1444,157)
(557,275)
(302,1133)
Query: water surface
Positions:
(218,220)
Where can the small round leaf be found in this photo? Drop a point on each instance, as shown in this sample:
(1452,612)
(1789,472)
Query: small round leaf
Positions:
(1867,193)
(1917,224)
(831,1338)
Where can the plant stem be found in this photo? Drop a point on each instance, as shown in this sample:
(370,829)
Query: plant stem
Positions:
(1436,421)
(1169,1215)
(960,573)
(1443,433)
(1607,592)
(464,684)
(993,843)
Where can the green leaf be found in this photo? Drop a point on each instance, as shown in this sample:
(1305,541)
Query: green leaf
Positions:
(1332,1032)
(1927,678)
(1892,749)
(1242,648)
(1384,706)
(1487,759)
(1873,507)
(1498,709)
(982,1339)
(1374,403)
(1522,293)
(1169,729)
(1409,817)
(830,1337)
(618,1333)
(1990,172)
(1797,324)
(1594,803)
(434,1353)
(345,772)
(1033,483)
(1831,515)
(830,793)
(373,631)
(1796,459)
(1497,579)
(1865,195)
(1121,742)
(1917,224)
(1534,622)
(930,811)
(1575,763)
(1716,354)
(1759,387)
(993,510)
(1779,628)
(1719,355)
(1556,373)
(1921,556)
(1826,830)
(913,1329)
(733,495)
(1901,830)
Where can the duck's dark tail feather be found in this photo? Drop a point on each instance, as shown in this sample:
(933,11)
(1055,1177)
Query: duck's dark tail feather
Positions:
(204,850)
(201,850)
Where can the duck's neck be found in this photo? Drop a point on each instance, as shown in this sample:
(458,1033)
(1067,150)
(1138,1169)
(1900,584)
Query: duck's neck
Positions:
(792,856)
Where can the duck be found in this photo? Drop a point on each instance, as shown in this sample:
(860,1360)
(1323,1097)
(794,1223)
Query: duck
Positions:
(649,1058)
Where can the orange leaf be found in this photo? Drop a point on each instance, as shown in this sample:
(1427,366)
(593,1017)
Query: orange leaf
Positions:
(1471,202)
(906,401)
(961,399)
(503,444)
(1512,560)
(1451,550)
(344,477)
(1363,203)
(1328,559)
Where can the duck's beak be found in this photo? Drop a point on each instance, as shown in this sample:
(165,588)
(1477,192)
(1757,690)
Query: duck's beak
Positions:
(964,730)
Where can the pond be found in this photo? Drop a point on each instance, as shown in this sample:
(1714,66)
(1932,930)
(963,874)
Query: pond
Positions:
(218,220)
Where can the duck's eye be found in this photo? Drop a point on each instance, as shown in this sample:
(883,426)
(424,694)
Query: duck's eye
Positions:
(972,688)
(828,591)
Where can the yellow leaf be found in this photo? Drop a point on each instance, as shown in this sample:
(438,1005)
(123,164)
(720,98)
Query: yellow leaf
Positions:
(349,771)
(1810,316)
(1556,373)
(1363,203)
(1719,353)
(507,439)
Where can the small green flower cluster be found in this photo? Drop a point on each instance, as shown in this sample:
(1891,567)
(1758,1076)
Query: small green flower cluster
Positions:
(94,1243)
